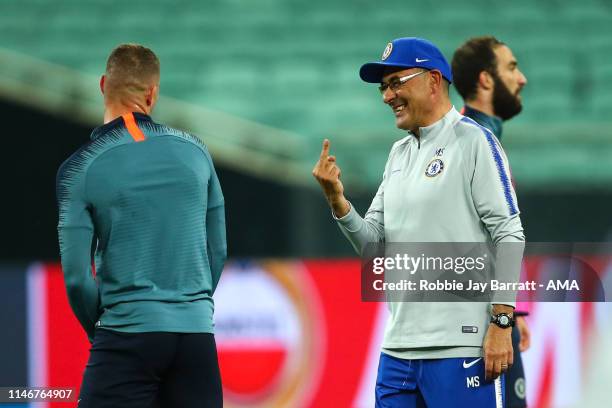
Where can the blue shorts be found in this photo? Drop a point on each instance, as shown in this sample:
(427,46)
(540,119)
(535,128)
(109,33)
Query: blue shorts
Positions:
(436,383)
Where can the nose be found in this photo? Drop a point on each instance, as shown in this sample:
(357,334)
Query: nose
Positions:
(522,79)
(388,95)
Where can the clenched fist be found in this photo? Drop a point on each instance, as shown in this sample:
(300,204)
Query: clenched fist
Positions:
(327,173)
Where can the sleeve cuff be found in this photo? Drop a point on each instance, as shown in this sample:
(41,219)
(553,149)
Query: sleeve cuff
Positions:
(503,303)
(351,221)
(342,219)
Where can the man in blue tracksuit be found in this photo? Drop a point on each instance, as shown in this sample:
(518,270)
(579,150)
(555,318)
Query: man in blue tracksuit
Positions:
(489,80)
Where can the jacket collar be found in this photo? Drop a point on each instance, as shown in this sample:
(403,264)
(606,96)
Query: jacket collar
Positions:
(116,123)
(430,132)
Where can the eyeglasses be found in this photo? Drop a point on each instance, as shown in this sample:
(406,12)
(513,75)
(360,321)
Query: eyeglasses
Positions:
(396,83)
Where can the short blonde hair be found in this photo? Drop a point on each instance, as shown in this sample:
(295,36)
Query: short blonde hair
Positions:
(131,68)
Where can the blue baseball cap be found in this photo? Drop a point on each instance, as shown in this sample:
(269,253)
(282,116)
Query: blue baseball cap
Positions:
(409,52)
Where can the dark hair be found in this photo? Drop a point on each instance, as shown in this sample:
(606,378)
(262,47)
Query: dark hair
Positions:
(470,59)
(131,68)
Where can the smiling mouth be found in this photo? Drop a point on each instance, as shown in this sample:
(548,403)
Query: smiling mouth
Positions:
(397,109)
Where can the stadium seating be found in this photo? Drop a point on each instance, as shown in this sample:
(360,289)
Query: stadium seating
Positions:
(293,64)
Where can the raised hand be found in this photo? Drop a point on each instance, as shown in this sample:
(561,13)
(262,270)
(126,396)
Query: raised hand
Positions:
(327,173)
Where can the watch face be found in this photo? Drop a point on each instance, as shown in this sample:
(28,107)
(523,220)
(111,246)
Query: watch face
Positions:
(504,320)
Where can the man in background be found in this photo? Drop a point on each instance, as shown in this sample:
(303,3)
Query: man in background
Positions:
(489,80)
(145,198)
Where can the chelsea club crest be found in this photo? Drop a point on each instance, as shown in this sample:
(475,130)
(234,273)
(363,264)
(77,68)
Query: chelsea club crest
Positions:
(434,168)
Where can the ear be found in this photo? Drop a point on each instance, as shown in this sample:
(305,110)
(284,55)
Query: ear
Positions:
(436,80)
(152,94)
(102,81)
(485,80)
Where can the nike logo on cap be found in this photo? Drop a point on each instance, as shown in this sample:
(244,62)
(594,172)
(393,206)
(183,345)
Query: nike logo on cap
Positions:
(468,365)
(421,60)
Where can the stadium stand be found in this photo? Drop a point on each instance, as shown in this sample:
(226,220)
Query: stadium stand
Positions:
(292,65)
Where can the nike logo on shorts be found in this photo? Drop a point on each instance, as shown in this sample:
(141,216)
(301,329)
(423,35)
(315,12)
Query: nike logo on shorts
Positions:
(468,365)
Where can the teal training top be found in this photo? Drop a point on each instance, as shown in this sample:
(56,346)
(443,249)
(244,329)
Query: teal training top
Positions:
(145,200)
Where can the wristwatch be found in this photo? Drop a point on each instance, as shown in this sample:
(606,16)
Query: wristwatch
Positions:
(503,320)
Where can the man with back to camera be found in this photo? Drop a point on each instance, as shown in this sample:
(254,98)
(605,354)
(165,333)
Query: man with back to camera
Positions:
(487,76)
(148,197)
(447,181)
